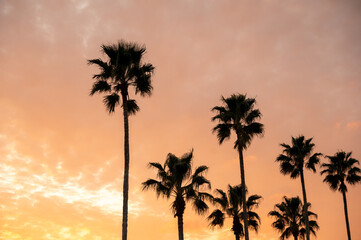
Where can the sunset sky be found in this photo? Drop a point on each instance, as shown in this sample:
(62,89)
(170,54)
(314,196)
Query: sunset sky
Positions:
(61,154)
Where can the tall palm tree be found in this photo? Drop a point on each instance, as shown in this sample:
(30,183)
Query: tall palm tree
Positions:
(177,180)
(290,219)
(340,170)
(124,68)
(293,161)
(238,114)
(231,205)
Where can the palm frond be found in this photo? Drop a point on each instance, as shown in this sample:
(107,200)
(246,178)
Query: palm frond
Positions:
(198,181)
(111,51)
(216,218)
(132,107)
(142,79)
(199,170)
(159,188)
(223,131)
(156,165)
(253,115)
(98,62)
(206,196)
(353,176)
(100,86)
(313,161)
(253,201)
(222,201)
(111,101)
(199,205)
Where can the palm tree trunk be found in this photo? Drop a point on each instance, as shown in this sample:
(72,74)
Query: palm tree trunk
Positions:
(126,169)
(243,186)
(305,206)
(237,237)
(346,215)
(180,227)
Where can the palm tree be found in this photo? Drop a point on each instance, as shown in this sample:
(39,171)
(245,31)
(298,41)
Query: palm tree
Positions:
(290,219)
(340,170)
(238,114)
(177,180)
(232,206)
(294,159)
(123,68)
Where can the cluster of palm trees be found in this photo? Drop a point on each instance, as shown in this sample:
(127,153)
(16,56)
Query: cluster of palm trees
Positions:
(176,179)
(339,170)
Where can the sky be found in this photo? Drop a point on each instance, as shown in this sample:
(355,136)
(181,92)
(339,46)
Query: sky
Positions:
(61,154)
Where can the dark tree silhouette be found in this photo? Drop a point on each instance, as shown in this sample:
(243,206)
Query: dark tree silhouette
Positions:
(340,170)
(290,219)
(124,68)
(293,161)
(231,205)
(177,180)
(238,114)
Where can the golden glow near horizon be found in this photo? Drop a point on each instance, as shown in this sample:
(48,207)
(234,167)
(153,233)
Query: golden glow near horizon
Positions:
(61,154)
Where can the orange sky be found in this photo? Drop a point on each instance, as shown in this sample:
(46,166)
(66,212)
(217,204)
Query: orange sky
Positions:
(61,154)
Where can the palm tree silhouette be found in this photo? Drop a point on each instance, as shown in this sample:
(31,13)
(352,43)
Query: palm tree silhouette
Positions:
(123,68)
(231,205)
(238,114)
(177,180)
(339,171)
(290,219)
(293,160)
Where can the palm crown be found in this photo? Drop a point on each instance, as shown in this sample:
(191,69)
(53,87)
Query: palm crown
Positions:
(231,205)
(290,219)
(124,68)
(238,114)
(177,180)
(298,156)
(340,170)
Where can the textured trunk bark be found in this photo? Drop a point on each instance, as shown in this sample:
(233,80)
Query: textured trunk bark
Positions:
(243,186)
(180,227)
(126,169)
(305,208)
(346,215)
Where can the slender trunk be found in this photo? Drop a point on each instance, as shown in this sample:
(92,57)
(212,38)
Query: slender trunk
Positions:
(295,237)
(243,186)
(126,169)
(305,206)
(346,215)
(180,227)
(237,237)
